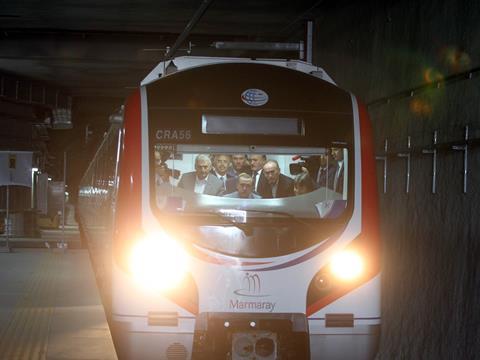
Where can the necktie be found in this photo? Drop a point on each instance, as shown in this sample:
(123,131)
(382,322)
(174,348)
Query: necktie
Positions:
(255,173)
(223,180)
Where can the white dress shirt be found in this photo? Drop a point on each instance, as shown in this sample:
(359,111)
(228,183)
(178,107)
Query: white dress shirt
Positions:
(337,174)
(257,177)
(200,185)
(222,177)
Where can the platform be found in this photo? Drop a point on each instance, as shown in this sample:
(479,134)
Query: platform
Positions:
(48,238)
(50,307)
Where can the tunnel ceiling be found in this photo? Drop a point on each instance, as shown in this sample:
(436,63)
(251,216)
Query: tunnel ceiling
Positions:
(96,52)
(105,48)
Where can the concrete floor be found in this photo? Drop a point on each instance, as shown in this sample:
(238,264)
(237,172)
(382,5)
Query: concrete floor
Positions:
(50,307)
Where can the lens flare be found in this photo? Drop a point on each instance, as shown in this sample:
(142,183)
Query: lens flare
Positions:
(158,262)
(347,265)
(430,75)
(454,58)
(420,107)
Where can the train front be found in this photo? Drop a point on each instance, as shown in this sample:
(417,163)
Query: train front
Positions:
(246,222)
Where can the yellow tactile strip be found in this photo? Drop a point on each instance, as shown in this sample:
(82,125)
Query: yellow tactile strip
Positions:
(26,335)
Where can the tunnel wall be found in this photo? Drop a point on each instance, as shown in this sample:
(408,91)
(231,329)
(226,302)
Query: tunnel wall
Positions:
(431,267)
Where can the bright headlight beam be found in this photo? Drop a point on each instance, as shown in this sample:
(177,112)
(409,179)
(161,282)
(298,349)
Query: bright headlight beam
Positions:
(158,262)
(347,265)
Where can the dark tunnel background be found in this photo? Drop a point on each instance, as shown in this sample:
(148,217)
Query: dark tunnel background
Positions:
(416,65)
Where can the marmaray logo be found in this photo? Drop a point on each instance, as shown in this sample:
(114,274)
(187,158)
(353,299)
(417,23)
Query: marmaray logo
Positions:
(251,286)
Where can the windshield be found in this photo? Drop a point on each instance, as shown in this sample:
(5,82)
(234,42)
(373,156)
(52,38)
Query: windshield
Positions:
(252,201)
(306,183)
(245,162)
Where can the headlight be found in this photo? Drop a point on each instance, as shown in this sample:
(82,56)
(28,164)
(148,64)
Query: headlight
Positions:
(157,262)
(347,265)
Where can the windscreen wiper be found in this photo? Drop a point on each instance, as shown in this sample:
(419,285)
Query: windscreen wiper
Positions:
(282,213)
(242,226)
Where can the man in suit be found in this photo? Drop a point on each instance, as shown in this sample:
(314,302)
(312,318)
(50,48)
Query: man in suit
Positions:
(244,188)
(201,180)
(320,170)
(337,155)
(325,173)
(256,164)
(221,162)
(163,175)
(276,185)
(239,165)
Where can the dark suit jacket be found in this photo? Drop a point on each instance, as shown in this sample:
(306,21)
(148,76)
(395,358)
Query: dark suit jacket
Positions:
(231,185)
(214,185)
(284,188)
(323,181)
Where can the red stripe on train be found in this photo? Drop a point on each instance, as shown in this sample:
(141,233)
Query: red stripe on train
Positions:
(129,206)
(368,243)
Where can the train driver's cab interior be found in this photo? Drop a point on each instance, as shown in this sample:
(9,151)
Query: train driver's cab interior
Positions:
(303,182)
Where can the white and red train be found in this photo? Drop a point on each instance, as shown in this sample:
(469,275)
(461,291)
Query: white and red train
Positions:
(190,275)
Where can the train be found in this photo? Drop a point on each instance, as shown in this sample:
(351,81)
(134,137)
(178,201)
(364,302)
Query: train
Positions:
(192,266)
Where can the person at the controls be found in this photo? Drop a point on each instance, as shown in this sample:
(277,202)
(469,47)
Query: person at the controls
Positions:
(244,188)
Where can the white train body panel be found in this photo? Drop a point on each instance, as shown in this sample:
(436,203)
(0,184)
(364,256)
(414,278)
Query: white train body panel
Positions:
(229,284)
